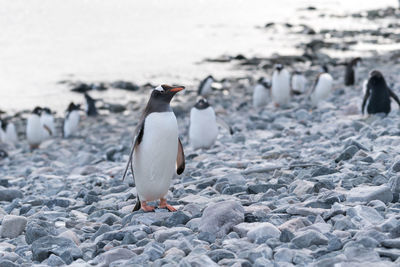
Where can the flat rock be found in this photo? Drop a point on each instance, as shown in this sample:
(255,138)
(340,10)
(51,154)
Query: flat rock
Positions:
(9,194)
(12,226)
(369,193)
(66,249)
(308,238)
(262,232)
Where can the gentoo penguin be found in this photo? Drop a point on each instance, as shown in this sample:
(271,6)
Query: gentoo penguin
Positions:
(350,74)
(8,132)
(298,83)
(322,87)
(261,93)
(91,109)
(205,86)
(203,129)
(47,121)
(71,120)
(157,151)
(34,129)
(280,90)
(378,94)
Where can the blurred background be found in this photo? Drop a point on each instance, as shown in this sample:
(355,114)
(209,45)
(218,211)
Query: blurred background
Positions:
(45,42)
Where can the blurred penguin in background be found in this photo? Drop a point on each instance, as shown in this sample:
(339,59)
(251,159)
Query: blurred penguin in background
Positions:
(298,83)
(280,90)
(378,95)
(203,129)
(8,133)
(47,121)
(350,77)
(322,87)
(91,109)
(205,87)
(71,121)
(261,93)
(34,129)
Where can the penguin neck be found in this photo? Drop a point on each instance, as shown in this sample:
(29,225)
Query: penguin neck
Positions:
(155,105)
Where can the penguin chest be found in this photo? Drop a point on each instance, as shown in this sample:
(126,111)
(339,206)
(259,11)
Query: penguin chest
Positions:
(280,87)
(155,157)
(260,96)
(47,122)
(71,123)
(203,130)
(322,88)
(34,130)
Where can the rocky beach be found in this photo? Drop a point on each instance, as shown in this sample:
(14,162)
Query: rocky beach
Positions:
(293,186)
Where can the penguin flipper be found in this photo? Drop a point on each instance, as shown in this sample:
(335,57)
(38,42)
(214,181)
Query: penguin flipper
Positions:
(366,96)
(394,96)
(48,130)
(224,124)
(180,159)
(137,141)
(138,205)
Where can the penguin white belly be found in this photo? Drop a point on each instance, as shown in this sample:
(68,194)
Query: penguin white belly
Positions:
(10,136)
(47,122)
(203,130)
(206,89)
(260,96)
(280,90)
(34,130)
(71,123)
(322,89)
(299,83)
(154,158)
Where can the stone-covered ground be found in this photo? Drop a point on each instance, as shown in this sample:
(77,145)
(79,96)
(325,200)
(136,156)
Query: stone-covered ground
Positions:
(291,186)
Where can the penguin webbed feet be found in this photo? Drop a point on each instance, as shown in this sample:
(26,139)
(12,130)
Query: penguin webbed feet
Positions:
(146,207)
(165,205)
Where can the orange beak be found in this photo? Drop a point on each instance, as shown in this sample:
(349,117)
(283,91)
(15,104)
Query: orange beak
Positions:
(177,89)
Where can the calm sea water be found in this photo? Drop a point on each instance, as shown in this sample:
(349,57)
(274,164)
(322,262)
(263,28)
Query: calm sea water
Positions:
(45,41)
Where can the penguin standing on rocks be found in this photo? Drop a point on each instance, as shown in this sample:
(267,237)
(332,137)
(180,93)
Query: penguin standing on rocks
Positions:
(91,109)
(378,94)
(350,74)
(157,152)
(47,121)
(261,93)
(322,87)
(8,133)
(71,121)
(34,129)
(298,83)
(203,129)
(280,90)
(205,86)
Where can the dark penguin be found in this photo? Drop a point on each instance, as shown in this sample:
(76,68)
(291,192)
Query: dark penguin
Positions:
(91,109)
(157,152)
(378,94)
(350,74)
(205,86)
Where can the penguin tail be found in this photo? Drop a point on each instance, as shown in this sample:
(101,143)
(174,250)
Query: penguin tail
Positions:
(138,205)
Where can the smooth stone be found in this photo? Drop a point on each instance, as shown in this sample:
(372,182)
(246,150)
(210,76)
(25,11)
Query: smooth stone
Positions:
(284,255)
(66,249)
(9,194)
(219,254)
(54,260)
(308,238)
(164,234)
(394,184)
(391,243)
(12,226)
(197,260)
(364,215)
(262,232)
(369,193)
(106,258)
(219,218)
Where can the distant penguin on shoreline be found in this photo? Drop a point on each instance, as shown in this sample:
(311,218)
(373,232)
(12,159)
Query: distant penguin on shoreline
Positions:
(280,90)
(322,87)
(298,83)
(261,93)
(47,121)
(378,95)
(8,133)
(71,121)
(34,129)
(91,109)
(205,86)
(350,77)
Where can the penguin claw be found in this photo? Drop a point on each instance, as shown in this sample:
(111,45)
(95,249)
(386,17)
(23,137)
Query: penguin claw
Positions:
(148,208)
(169,207)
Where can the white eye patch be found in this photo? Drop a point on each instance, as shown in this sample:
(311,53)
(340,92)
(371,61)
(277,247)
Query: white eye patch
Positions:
(159,88)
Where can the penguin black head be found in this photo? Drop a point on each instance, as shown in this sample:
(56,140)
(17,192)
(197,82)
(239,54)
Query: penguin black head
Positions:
(37,111)
(73,107)
(202,103)
(164,93)
(325,68)
(4,123)
(279,67)
(210,77)
(376,80)
(355,61)
(46,110)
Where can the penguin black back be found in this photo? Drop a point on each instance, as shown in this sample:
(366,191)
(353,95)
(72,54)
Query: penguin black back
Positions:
(378,94)
(91,109)
(37,111)
(349,77)
(203,83)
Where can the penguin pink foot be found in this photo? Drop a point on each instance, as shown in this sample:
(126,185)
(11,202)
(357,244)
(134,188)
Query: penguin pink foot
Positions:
(147,208)
(165,205)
